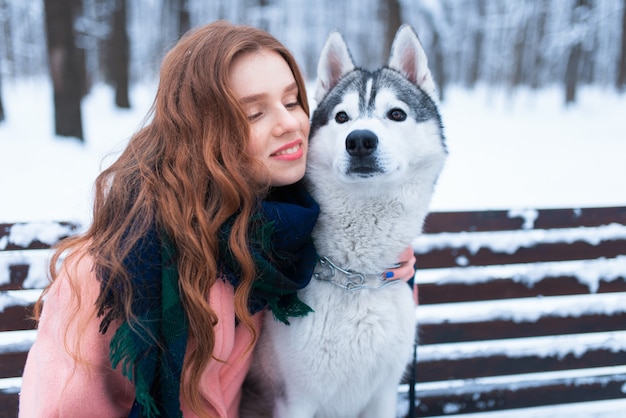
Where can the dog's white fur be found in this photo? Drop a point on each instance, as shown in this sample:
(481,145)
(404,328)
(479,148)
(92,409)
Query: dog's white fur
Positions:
(347,357)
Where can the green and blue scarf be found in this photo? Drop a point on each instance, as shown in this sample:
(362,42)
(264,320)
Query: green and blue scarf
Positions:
(151,349)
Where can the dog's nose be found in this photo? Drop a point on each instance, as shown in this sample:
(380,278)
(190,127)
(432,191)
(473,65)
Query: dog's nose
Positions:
(361,143)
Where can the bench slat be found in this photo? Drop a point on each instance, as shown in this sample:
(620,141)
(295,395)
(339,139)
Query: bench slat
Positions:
(12,364)
(539,252)
(15,309)
(502,364)
(501,220)
(521,355)
(512,289)
(8,404)
(524,317)
(474,331)
(520,391)
(14,318)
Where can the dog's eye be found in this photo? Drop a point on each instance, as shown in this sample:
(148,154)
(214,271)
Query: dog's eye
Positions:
(396,114)
(341,117)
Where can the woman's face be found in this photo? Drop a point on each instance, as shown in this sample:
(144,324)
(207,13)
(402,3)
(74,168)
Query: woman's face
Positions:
(267,91)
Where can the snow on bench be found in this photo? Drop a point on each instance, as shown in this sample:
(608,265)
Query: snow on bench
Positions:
(521,312)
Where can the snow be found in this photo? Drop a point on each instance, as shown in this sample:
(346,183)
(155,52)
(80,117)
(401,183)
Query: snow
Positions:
(523,310)
(15,341)
(37,260)
(588,272)
(509,242)
(558,346)
(528,215)
(18,298)
(23,234)
(527,150)
(44,177)
(599,409)
(507,151)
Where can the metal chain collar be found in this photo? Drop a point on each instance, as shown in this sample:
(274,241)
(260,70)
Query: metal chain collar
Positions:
(356,280)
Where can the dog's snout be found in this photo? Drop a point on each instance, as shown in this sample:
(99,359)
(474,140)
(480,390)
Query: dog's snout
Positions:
(361,143)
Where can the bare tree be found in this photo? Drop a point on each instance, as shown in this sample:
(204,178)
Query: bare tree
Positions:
(540,22)
(621,67)
(184,19)
(119,54)
(434,16)
(6,32)
(519,50)
(177,13)
(575,57)
(390,13)
(2,117)
(479,40)
(65,66)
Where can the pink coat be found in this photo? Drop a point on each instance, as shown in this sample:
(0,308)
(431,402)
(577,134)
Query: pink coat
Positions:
(56,385)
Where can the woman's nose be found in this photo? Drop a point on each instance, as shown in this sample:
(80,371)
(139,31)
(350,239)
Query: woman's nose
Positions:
(286,121)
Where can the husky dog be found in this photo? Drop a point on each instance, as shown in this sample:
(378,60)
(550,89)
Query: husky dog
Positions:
(376,149)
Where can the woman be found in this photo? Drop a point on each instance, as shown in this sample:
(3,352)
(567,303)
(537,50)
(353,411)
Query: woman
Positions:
(199,225)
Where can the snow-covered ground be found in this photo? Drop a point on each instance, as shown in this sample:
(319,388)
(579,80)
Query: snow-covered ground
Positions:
(506,150)
(528,150)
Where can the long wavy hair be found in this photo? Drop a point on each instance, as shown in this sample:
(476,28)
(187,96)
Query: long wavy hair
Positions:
(186,171)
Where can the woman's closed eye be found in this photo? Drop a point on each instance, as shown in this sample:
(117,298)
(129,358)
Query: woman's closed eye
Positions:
(254,116)
(292,105)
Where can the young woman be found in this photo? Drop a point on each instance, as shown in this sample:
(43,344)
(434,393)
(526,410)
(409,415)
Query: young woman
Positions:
(199,225)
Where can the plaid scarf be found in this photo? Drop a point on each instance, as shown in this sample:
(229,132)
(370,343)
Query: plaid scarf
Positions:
(150,350)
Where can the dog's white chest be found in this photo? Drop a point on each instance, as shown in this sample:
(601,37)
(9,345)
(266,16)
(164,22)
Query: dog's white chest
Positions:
(343,352)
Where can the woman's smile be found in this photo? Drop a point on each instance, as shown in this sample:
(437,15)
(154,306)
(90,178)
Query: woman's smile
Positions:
(290,152)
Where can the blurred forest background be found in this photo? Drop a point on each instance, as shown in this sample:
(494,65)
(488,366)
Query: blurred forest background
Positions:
(505,44)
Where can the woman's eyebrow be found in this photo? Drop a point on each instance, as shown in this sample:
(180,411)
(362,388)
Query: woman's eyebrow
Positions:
(292,86)
(259,96)
(252,98)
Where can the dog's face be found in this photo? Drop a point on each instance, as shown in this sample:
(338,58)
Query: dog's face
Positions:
(381,125)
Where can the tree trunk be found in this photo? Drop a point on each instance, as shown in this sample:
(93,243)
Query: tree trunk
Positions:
(621,69)
(1,106)
(438,65)
(390,12)
(475,67)
(518,76)
(571,73)
(184,19)
(119,55)
(537,77)
(574,61)
(64,62)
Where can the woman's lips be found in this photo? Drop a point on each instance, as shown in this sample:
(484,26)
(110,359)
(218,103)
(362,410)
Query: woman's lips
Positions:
(290,152)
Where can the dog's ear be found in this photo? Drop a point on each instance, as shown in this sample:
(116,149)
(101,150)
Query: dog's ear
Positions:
(335,62)
(408,57)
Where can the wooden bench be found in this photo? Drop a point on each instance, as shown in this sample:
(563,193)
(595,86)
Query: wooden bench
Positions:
(517,309)
(24,255)
(521,309)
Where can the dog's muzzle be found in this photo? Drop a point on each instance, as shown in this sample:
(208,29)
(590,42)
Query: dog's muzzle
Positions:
(361,146)
(361,143)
